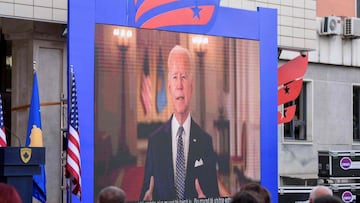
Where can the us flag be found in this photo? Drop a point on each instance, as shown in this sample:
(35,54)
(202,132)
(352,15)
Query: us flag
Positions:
(73,161)
(146,97)
(2,127)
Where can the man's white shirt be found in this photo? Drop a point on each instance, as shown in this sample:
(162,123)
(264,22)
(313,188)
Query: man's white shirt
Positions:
(186,136)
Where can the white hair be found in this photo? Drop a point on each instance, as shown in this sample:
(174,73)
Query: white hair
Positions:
(319,191)
(180,49)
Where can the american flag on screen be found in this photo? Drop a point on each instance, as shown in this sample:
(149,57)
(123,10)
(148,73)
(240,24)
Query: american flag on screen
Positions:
(2,127)
(146,97)
(73,161)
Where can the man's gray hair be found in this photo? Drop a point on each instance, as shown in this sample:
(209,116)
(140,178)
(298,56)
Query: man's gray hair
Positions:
(319,191)
(180,49)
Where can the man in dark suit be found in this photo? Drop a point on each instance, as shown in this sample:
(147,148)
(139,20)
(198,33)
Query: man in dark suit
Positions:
(180,160)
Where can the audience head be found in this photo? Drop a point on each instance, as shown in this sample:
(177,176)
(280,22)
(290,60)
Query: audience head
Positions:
(256,187)
(111,194)
(9,194)
(246,196)
(328,199)
(319,191)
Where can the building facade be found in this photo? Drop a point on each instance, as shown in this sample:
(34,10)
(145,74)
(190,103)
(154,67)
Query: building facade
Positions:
(32,31)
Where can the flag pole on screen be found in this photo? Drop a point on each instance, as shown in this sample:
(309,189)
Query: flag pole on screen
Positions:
(34,138)
(2,127)
(73,160)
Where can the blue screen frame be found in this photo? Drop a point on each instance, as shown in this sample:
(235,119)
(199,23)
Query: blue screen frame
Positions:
(258,25)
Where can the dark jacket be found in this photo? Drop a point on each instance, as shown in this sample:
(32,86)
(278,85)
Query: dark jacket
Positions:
(159,164)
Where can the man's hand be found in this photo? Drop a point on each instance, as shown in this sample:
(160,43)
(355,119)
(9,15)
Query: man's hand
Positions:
(148,194)
(198,189)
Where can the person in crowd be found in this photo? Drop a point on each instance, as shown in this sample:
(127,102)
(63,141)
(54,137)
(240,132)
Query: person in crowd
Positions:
(246,196)
(328,199)
(256,187)
(9,194)
(319,191)
(111,194)
(180,160)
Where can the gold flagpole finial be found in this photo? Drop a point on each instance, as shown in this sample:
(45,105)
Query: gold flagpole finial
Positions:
(34,66)
(72,68)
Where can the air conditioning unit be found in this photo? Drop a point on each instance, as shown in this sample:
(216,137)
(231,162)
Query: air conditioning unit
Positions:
(330,25)
(352,27)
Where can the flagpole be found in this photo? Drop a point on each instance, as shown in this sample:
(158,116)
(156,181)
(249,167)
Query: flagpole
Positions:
(73,160)
(34,66)
(35,129)
(68,181)
(69,193)
(63,131)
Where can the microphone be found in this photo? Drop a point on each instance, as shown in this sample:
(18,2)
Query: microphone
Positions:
(13,135)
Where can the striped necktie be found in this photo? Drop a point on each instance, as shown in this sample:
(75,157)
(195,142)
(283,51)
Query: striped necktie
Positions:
(180,165)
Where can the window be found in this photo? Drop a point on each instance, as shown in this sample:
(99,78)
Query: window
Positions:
(356,113)
(298,128)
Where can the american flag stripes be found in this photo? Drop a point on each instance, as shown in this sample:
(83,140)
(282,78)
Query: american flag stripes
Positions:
(73,162)
(146,97)
(2,127)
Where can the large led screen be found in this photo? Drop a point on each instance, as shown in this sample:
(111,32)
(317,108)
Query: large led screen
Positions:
(120,50)
(133,99)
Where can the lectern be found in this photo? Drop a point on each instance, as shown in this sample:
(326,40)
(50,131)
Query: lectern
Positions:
(17,167)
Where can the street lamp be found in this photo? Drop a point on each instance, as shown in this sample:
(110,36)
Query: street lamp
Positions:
(123,36)
(200,43)
(200,46)
(123,41)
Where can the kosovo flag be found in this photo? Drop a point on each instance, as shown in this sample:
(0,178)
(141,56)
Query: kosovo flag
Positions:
(160,85)
(34,139)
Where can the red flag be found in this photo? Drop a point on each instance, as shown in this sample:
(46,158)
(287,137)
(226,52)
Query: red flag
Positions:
(288,115)
(2,127)
(289,92)
(292,70)
(73,161)
(289,85)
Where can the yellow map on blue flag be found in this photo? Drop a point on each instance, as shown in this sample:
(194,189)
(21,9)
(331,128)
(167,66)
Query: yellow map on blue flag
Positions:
(34,139)
(160,85)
